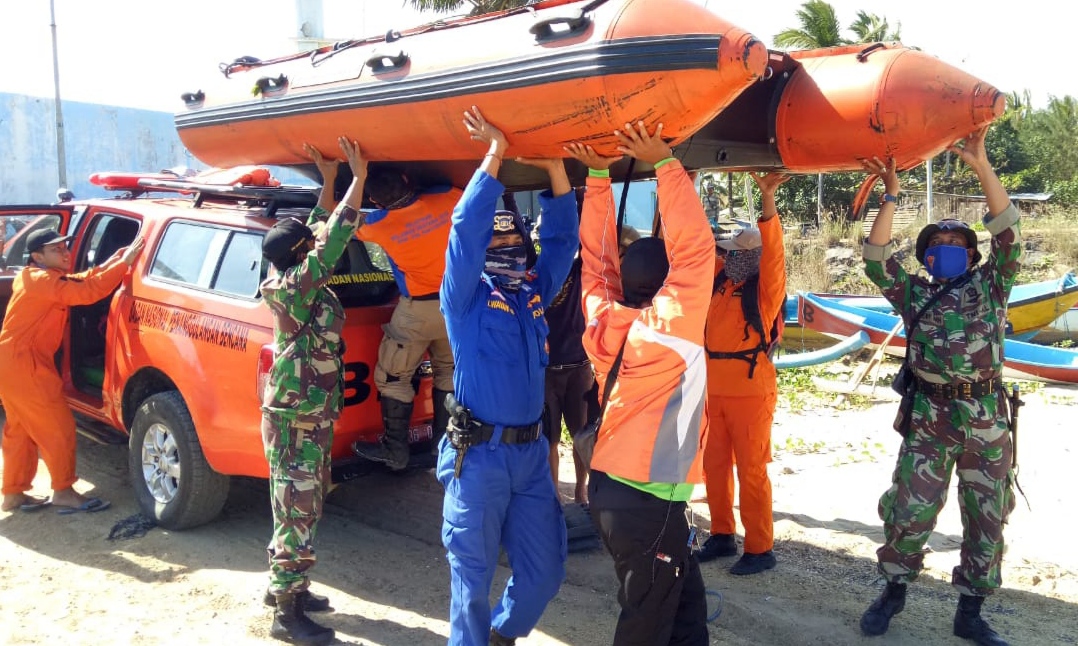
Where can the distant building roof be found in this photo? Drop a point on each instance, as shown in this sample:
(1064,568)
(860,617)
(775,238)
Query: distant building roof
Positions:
(1031,197)
(1021,197)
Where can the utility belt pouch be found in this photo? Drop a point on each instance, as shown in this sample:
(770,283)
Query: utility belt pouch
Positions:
(904,380)
(461,437)
(905,413)
(461,431)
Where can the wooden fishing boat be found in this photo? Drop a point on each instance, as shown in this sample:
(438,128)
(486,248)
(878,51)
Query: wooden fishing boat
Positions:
(1031,307)
(1021,360)
(1063,330)
(548,74)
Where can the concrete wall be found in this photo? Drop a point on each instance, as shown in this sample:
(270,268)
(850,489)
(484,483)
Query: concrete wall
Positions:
(97,138)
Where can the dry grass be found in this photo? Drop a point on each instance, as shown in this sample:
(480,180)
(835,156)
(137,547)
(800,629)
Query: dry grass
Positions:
(1054,235)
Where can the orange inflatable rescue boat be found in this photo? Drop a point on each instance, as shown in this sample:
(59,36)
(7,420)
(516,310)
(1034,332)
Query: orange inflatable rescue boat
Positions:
(548,74)
(822,110)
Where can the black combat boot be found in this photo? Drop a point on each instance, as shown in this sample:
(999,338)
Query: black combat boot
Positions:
(969,625)
(497,639)
(878,616)
(754,563)
(717,546)
(441,417)
(292,625)
(392,449)
(311,602)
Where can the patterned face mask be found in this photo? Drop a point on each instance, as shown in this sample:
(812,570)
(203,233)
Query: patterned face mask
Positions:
(507,265)
(742,264)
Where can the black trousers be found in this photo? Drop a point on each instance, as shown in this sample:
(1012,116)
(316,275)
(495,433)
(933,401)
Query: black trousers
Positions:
(662,592)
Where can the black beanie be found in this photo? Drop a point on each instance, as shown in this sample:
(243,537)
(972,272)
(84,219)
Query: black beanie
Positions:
(283,240)
(643,271)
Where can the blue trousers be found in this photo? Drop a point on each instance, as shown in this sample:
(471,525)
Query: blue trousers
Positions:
(504,497)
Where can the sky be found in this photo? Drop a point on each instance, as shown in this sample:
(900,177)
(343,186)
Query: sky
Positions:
(135,53)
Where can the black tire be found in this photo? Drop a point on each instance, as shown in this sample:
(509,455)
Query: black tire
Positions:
(172,480)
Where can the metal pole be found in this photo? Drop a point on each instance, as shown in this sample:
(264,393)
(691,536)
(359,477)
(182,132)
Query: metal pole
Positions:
(749,204)
(730,192)
(928,189)
(819,199)
(61,156)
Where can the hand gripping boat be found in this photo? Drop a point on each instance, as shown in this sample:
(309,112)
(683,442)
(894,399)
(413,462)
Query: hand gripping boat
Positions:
(549,74)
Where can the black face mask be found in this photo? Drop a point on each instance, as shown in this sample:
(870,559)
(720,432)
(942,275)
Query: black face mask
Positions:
(643,271)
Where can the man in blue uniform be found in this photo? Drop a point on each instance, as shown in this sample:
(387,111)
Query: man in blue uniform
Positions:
(493,460)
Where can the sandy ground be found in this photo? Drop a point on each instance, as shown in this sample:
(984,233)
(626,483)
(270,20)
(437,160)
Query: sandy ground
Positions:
(384,568)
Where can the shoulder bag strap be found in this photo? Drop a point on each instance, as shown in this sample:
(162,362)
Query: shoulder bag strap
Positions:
(610,379)
(954,284)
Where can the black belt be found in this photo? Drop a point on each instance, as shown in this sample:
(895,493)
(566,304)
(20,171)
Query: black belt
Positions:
(511,434)
(477,433)
(968,390)
(567,366)
(433,296)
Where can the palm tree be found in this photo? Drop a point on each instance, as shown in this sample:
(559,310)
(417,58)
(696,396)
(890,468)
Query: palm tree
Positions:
(477,6)
(870,28)
(819,28)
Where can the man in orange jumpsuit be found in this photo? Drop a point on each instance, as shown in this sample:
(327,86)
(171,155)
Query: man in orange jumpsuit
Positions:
(38,419)
(749,294)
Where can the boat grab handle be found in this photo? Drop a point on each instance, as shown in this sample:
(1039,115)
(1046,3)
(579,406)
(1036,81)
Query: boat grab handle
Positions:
(385,62)
(575,22)
(268,85)
(193,99)
(863,54)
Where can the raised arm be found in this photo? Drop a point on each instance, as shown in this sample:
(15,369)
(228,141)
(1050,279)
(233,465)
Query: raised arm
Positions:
(680,307)
(773,257)
(473,219)
(88,286)
(880,234)
(558,234)
(1002,218)
(331,240)
(881,267)
(328,169)
(600,274)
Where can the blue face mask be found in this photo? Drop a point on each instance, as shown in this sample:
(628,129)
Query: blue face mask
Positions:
(945,261)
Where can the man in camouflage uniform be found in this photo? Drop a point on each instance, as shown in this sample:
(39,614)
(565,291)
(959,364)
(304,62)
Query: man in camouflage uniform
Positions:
(303,397)
(955,415)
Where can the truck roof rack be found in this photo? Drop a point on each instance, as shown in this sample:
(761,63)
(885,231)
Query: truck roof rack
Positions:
(271,197)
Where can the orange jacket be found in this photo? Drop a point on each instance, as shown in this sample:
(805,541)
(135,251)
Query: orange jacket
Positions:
(726,325)
(655,423)
(37,314)
(415,238)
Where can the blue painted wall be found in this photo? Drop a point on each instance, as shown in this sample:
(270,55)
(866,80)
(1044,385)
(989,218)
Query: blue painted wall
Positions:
(97,138)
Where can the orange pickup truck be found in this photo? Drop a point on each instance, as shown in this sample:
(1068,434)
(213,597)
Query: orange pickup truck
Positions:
(177,356)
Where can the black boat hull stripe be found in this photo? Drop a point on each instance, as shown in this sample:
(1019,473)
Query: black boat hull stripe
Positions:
(608,58)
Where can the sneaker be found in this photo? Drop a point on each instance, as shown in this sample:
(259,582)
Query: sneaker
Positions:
(754,563)
(717,546)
